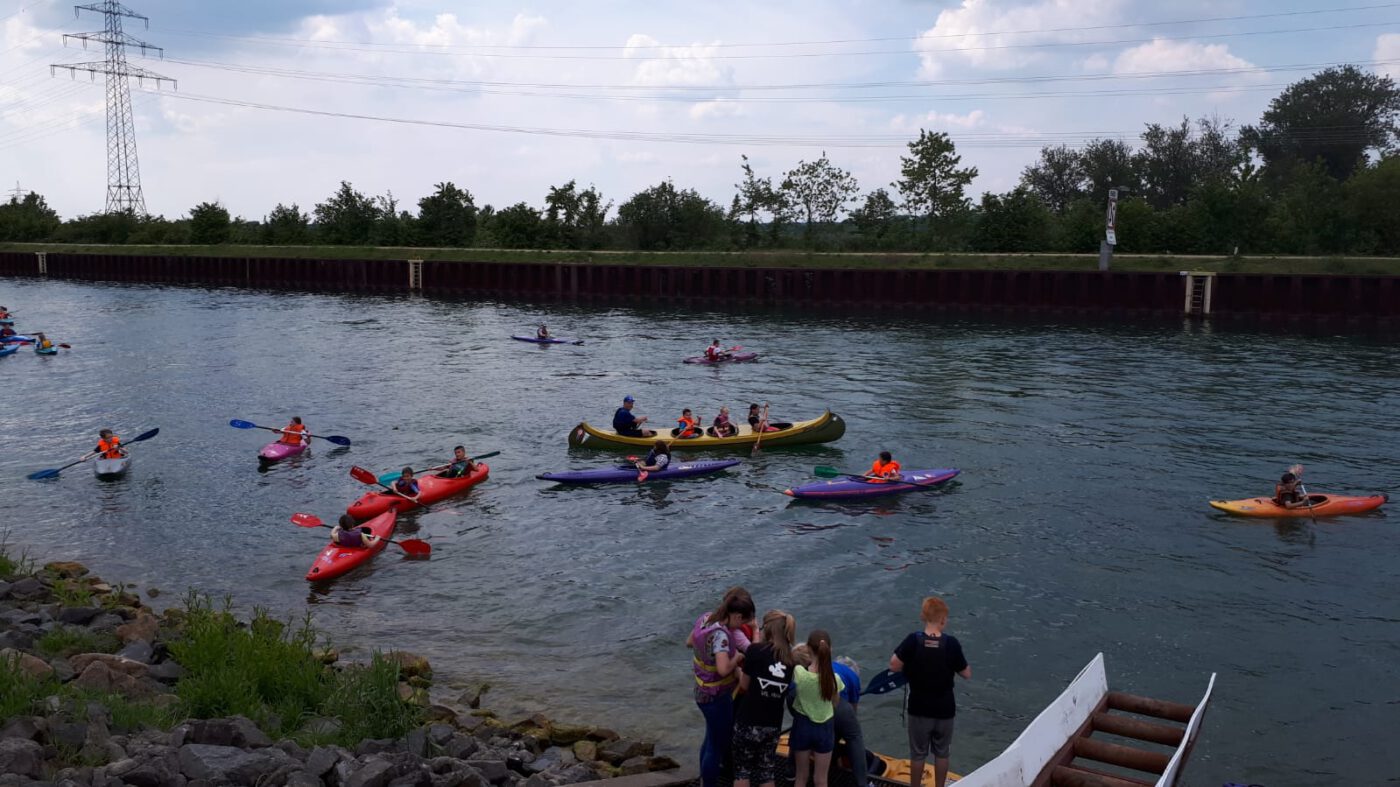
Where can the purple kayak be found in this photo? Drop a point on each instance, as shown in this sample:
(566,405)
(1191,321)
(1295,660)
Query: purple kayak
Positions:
(734,358)
(550,340)
(621,475)
(854,487)
(276,452)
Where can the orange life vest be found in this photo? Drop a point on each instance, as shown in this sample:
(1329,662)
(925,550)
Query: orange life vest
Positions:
(293,434)
(689,426)
(109,448)
(885,469)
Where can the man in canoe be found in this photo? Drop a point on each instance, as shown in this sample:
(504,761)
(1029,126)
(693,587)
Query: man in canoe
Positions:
(349,534)
(1286,494)
(294,433)
(628,425)
(109,446)
(461,465)
(884,469)
(930,659)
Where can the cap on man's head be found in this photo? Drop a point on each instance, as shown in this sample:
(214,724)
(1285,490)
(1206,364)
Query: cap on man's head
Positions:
(628,399)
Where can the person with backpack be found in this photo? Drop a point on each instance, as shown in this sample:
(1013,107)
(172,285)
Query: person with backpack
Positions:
(930,659)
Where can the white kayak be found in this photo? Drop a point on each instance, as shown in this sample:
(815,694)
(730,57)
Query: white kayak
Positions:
(111,468)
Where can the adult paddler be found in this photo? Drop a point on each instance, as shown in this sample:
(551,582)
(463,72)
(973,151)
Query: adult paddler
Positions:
(714,353)
(627,424)
(294,433)
(109,446)
(884,469)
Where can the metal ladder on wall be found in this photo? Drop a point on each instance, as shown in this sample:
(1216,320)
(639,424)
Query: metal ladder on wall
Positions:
(43,262)
(1199,292)
(415,275)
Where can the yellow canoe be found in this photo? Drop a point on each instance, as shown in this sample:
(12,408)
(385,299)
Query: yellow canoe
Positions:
(887,770)
(822,429)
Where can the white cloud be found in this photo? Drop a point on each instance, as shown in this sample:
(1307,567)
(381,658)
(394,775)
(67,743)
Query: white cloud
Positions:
(939,121)
(1388,48)
(984,33)
(718,108)
(1164,55)
(524,27)
(672,66)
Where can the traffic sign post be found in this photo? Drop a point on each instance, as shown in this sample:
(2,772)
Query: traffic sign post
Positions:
(1110,231)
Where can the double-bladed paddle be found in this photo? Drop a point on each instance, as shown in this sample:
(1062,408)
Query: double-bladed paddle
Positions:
(885,682)
(335,438)
(53,473)
(391,476)
(1297,471)
(822,471)
(366,477)
(411,546)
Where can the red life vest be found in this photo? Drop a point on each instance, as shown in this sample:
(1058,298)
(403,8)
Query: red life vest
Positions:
(109,449)
(882,469)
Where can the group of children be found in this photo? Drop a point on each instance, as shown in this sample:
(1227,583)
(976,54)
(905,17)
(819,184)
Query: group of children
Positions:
(744,678)
(688,426)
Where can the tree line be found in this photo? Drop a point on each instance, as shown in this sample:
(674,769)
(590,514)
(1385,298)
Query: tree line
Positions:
(1319,173)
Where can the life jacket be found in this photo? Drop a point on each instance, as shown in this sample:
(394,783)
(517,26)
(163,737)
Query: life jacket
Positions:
(707,677)
(1283,494)
(880,468)
(689,427)
(712,352)
(45,344)
(409,488)
(109,448)
(293,434)
(351,537)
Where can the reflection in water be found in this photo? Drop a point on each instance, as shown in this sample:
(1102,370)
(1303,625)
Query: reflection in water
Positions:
(1079,524)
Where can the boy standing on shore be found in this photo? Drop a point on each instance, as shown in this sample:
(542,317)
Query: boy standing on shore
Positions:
(930,659)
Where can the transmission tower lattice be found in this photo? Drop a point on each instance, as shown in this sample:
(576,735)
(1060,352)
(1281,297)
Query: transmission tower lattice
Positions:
(123,169)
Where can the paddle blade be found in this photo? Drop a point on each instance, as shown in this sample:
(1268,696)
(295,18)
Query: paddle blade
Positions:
(66,346)
(415,548)
(42,474)
(306,520)
(885,682)
(822,471)
(390,477)
(642,475)
(486,456)
(237,424)
(144,436)
(338,440)
(363,476)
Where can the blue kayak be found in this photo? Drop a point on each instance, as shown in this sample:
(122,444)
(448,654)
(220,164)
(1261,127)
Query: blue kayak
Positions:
(16,339)
(11,350)
(622,475)
(550,340)
(50,351)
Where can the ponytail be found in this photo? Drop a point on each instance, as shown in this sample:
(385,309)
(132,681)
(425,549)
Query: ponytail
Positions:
(779,630)
(736,600)
(820,644)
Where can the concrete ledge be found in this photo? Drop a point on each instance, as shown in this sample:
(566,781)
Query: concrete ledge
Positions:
(671,778)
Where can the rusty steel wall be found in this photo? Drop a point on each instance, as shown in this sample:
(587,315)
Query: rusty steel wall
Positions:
(1089,292)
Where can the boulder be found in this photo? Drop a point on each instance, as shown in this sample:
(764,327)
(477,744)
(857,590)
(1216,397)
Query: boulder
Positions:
(377,746)
(494,771)
(22,617)
(633,765)
(410,664)
(321,727)
(551,759)
(101,677)
(303,779)
(21,757)
(374,773)
(143,629)
(602,735)
(321,759)
(78,616)
(416,742)
(28,589)
(126,666)
(33,666)
(440,734)
(565,734)
(236,731)
(539,780)
(575,774)
(461,747)
(440,713)
(586,750)
(229,763)
(138,651)
(622,749)
(166,671)
(27,727)
(62,670)
(66,569)
(107,621)
(66,734)
(472,696)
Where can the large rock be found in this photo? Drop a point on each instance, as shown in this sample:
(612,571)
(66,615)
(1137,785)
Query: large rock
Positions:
(27,727)
(461,747)
(303,779)
(33,666)
(28,589)
(143,629)
(410,664)
(321,759)
(21,757)
(236,731)
(78,616)
(117,663)
(66,569)
(633,765)
(374,773)
(101,677)
(565,734)
(472,696)
(138,651)
(494,771)
(229,763)
(586,750)
(623,749)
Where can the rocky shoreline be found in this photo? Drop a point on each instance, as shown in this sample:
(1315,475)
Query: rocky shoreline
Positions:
(92,694)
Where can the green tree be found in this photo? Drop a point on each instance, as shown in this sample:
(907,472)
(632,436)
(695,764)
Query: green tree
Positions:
(392,227)
(209,224)
(286,226)
(933,183)
(1166,163)
(664,217)
(28,218)
(1108,164)
(875,218)
(821,190)
(1334,116)
(574,219)
(1057,179)
(114,227)
(347,218)
(516,227)
(447,217)
(1306,215)
(1014,222)
(759,203)
(1372,195)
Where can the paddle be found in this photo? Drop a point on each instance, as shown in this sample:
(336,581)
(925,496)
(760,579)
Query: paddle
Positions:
(762,430)
(53,473)
(391,477)
(411,546)
(364,476)
(335,438)
(885,682)
(1297,471)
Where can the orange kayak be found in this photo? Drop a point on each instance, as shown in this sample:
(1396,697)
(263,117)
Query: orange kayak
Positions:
(1322,505)
(431,488)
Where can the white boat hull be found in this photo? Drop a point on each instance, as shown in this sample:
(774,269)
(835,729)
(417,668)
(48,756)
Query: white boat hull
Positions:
(111,468)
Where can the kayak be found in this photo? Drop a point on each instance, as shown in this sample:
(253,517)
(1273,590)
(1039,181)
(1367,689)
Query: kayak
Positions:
(854,487)
(51,351)
(537,340)
(431,489)
(111,468)
(734,358)
(823,429)
(1322,505)
(18,338)
(620,475)
(276,452)
(11,350)
(887,769)
(335,559)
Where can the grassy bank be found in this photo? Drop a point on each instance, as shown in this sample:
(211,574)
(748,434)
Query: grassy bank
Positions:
(768,259)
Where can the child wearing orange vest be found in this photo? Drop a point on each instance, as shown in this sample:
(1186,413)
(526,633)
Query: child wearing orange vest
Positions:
(109,445)
(294,433)
(885,468)
(689,426)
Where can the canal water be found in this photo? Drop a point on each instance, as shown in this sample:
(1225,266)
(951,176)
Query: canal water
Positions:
(1079,523)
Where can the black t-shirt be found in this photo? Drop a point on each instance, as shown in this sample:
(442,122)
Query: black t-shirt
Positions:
(930,663)
(762,704)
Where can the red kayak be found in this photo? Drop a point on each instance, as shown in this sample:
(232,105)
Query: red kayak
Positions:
(335,560)
(431,489)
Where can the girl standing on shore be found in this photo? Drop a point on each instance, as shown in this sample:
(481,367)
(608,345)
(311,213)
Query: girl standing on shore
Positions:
(764,680)
(715,658)
(813,712)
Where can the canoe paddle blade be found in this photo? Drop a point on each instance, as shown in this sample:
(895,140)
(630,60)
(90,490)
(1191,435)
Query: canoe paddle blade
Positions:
(415,548)
(885,682)
(143,436)
(42,474)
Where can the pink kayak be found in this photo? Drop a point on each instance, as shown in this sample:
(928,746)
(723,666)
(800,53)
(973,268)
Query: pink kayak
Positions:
(276,452)
(731,358)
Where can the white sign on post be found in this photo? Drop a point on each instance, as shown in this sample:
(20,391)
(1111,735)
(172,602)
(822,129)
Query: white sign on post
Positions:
(1111,233)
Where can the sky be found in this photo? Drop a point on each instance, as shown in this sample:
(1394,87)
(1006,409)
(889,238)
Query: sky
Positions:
(277,101)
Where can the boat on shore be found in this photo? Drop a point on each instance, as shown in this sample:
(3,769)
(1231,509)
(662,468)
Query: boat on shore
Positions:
(823,429)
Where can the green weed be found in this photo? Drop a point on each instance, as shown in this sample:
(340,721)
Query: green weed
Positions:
(13,565)
(72,593)
(20,693)
(67,641)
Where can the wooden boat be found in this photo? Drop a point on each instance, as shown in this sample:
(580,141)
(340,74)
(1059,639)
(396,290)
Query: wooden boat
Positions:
(822,429)
(1055,749)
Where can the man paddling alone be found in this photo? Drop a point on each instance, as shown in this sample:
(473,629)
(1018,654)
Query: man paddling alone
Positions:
(628,425)
(930,659)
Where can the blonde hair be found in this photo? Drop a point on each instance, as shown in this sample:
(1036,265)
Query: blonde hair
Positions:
(779,630)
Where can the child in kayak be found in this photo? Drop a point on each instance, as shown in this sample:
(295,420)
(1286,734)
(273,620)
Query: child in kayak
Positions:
(41,342)
(109,445)
(461,464)
(349,534)
(542,333)
(722,426)
(884,469)
(688,426)
(294,433)
(406,486)
(1286,494)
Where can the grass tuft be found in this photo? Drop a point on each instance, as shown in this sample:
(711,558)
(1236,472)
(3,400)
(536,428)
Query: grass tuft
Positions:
(13,565)
(67,641)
